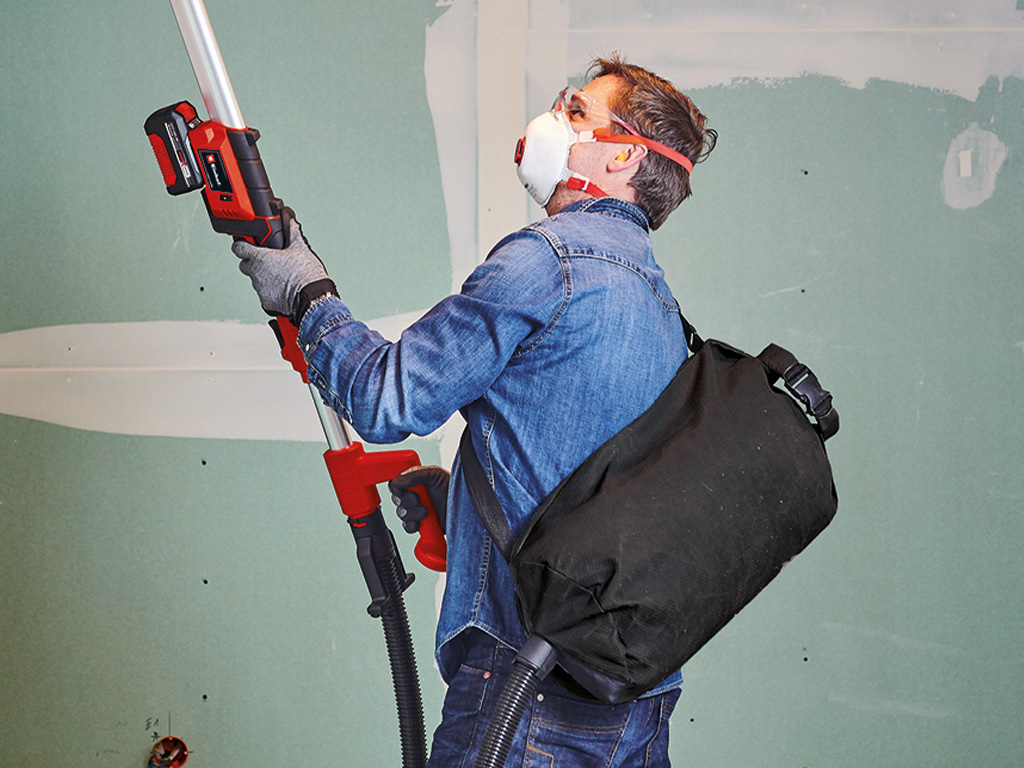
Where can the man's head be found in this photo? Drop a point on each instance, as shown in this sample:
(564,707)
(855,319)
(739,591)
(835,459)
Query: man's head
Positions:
(627,133)
(658,111)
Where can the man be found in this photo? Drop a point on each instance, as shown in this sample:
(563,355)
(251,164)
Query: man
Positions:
(565,334)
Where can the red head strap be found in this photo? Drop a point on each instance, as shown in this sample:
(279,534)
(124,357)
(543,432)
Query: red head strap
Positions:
(606,134)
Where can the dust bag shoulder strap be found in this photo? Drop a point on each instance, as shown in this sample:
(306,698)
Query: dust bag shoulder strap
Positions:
(482,494)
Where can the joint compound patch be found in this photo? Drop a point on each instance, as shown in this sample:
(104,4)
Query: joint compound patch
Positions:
(972,164)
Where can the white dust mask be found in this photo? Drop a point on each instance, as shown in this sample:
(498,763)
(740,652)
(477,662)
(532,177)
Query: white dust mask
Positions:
(542,156)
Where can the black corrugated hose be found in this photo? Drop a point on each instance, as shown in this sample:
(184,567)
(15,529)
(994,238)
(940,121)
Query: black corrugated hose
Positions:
(403,673)
(531,665)
(386,579)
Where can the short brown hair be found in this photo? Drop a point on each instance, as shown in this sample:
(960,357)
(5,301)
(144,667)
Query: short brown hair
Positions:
(659,111)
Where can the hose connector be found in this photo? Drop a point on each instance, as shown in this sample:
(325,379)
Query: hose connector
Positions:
(532,664)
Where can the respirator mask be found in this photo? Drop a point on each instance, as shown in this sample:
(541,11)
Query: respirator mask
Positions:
(542,154)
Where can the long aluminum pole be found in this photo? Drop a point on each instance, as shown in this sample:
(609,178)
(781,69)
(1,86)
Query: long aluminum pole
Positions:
(203,52)
(334,428)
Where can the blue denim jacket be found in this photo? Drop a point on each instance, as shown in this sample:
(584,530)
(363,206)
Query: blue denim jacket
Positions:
(565,334)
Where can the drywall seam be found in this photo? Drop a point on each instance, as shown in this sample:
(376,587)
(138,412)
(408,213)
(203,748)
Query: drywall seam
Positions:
(163,378)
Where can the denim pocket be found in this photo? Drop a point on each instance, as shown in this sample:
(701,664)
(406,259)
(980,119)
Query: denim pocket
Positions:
(460,718)
(656,751)
(577,732)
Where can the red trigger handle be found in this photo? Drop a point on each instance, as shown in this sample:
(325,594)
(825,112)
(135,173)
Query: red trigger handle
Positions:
(356,473)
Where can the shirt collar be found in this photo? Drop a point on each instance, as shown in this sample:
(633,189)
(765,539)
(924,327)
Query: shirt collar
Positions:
(611,206)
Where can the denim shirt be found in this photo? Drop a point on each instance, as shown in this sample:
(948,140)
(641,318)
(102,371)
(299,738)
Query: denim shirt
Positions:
(564,335)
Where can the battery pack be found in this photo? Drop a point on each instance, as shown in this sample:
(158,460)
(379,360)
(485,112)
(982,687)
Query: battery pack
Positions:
(168,130)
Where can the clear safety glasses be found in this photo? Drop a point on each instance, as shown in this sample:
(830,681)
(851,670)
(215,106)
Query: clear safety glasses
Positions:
(580,105)
(577,104)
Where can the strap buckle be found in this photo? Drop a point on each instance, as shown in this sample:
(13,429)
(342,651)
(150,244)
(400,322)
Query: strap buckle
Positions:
(805,387)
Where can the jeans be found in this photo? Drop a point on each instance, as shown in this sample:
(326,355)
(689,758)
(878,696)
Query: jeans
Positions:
(558,730)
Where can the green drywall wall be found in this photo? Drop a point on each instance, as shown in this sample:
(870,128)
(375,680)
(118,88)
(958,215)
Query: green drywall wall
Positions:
(142,574)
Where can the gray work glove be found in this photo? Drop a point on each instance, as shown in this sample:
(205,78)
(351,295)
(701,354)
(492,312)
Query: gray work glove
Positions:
(287,280)
(410,511)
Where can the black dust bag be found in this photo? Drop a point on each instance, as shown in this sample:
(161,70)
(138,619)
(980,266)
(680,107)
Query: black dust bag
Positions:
(665,532)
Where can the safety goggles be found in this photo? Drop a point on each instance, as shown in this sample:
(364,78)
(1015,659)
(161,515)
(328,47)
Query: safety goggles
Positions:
(577,104)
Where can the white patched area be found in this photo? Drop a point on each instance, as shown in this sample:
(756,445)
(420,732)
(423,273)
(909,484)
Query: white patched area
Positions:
(972,164)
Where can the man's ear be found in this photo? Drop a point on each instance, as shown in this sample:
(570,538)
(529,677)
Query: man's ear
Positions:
(628,158)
